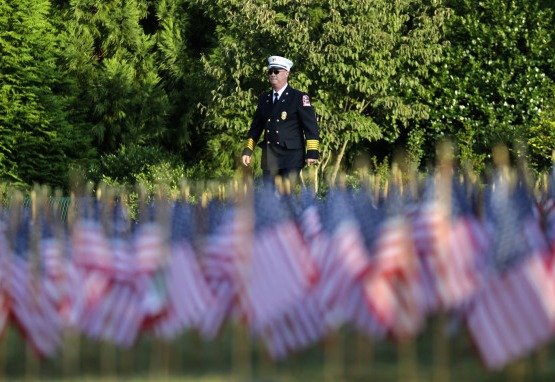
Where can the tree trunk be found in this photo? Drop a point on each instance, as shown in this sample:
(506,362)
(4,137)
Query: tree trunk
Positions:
(338,161)
(321,167)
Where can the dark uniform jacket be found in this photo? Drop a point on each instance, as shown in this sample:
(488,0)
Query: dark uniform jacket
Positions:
(289,130)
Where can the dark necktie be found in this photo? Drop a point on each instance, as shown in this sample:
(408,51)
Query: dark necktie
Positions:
(275,97)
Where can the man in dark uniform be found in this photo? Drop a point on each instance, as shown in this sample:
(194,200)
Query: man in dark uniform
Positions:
(286,118)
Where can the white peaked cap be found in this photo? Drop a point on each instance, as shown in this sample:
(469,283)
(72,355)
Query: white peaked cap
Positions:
(279,62)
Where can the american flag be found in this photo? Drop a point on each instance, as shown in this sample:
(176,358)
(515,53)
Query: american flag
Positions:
(468,243)
(110,305)
(299,327)
(514,224)
(119,317)
(430,225)
(151,253)
(309,219)
(280,269)
(183,221)
(217,257)
(459,274)
(514,313)
(280,279)
(302,268)
(547,211)
(449,240)
(546,208)
(90,246)
(190,298)
(57,271)
(92,258)
(32,310)
(223,232)
(125,307)
(346,260)
(369,214)
(98,318)
(394,286)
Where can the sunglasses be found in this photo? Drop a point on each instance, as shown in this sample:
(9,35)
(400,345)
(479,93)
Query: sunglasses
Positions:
(274,71)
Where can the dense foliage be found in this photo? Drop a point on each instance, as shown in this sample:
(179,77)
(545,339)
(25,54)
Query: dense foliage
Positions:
(497,77)
(125,90)
(37,137)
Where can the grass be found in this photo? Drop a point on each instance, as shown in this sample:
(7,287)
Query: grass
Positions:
(344,356)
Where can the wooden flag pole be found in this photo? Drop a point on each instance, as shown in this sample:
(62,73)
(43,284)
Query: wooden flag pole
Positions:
(518,371)
(441,372)
(160,359)
(158,351)
(3,354)
(444,176)
(14,209)
(334,355)
(267,366)
(106,195)
(242,344)
(163,215)
(364,357)
(70,353)
(408,360)
(407,364)
(72,342)
(541,358)
(126,356)
(189,193)
(32,362)
(241,341)
(71,338)
(241,352)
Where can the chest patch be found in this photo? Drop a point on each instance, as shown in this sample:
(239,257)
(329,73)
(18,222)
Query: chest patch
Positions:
(306,101)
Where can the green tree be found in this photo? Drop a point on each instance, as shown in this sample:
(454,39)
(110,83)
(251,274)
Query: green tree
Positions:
(114,61)
(541,138)
(496,78)
(369,61)
(182,34)
(362,61)
(37,144)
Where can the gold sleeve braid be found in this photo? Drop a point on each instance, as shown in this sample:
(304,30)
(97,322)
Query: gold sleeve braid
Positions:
(312,144)
(250,144)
